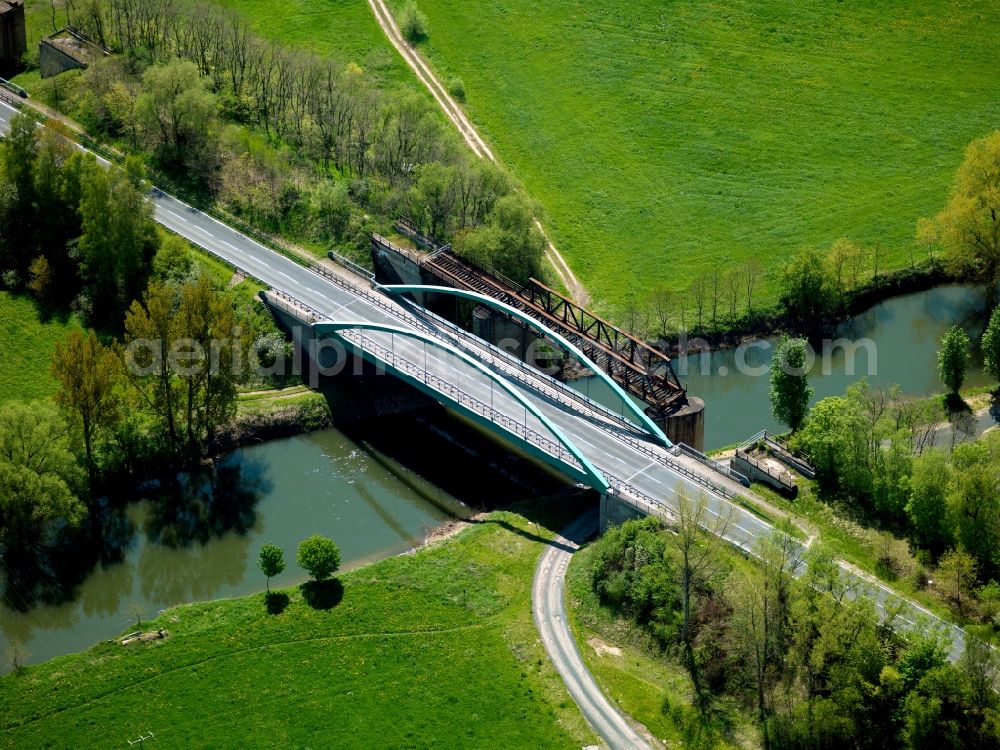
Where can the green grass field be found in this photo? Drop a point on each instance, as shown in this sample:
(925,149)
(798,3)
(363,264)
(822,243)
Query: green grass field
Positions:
(435,649)
(665,139)
(27,341)
(344,30)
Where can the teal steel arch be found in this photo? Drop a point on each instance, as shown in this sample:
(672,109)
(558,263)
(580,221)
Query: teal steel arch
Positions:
(582,358)
(593,474)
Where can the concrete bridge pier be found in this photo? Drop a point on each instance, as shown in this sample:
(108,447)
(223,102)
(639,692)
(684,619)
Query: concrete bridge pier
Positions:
(615,512)
(360,391)
(687,424)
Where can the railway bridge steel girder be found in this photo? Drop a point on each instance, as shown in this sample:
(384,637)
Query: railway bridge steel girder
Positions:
(644,420)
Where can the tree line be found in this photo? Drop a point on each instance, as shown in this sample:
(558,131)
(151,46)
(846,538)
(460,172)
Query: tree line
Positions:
(813,664)
(291,141)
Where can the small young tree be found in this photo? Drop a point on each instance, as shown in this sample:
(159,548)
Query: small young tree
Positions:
(271,562)
(956,577)
(318,556)
(413,23)
(991,345)
(790,389)
(953,358)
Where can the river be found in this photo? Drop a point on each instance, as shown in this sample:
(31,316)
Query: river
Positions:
(899,341)
(378,490)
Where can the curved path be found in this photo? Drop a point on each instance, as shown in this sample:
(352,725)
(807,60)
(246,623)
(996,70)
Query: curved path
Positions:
(469,133)
(548,606)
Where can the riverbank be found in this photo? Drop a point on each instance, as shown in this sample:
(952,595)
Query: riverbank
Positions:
(268,415)
(773,322)
(439,645)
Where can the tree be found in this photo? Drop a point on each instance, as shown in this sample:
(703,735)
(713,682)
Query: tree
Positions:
(185,354)
(88,374)
(790,389)
(271,562)
(661,301)
(177,112)
(38,474)
(698,291)
(150,330)
(990,345)
(40,277)
(413,23)
(733,284)
(509,242)
(432,197)
(969,225)
(632,572)
(974,501)
(318,556)
(698,530)
(953,359)
(118,240)
(807,294)
(752,271)
(210,362)
(956,578)
(927,508)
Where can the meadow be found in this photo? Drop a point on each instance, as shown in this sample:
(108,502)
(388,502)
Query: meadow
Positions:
(27,340)
(344,30)
(665,141)
(433,649)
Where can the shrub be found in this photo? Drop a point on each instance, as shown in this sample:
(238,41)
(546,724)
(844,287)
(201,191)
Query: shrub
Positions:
(456,87)
(414,23)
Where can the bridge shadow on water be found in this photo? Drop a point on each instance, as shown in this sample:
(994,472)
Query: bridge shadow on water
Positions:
(400,425)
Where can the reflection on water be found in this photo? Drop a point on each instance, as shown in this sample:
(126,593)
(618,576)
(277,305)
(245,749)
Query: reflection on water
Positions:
(199,539)
(904,333)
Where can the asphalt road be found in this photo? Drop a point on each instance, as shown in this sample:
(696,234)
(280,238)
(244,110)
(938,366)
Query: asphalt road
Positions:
(605,442)
(549,609)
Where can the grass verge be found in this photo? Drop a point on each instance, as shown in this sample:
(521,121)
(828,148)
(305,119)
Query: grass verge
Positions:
(434,649)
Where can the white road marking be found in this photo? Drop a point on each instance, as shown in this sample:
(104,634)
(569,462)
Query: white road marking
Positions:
(651,463)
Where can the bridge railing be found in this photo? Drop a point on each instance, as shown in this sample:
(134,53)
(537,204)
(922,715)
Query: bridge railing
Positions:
(461,397)
(697,455)
(505,359)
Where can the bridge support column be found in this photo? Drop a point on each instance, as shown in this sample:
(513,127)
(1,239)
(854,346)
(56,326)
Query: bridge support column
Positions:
(615,512)
(687,424)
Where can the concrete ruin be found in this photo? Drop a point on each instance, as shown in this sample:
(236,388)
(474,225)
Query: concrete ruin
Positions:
(66,50)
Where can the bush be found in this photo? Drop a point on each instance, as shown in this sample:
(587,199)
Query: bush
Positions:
(456,87)
(414,23)
(318,556)
(633,574)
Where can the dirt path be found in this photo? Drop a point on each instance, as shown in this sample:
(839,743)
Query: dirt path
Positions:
(475,142)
